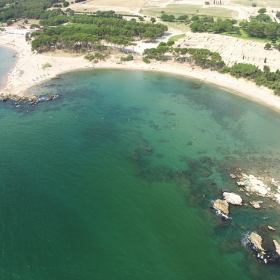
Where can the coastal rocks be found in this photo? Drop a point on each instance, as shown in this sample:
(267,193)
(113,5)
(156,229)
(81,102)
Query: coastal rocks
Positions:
(56,77)
(221,205)
(256,204)
(4,96)
(232,198)
(277,247)
(257,240)
(32,99)
(52,96)
(232,176)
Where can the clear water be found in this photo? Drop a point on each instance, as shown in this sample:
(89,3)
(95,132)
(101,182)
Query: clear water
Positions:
(7,61)
(92,185)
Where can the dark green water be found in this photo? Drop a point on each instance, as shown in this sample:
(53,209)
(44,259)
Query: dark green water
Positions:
(92,188)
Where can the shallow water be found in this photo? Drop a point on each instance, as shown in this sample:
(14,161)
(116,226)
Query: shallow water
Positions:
(92,183)
(7,61)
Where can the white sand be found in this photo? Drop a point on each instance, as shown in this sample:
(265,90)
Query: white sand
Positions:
(31,64)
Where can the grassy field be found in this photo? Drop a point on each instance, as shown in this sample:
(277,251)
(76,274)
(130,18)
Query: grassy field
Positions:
(177,37)
(262,3)
(219,12)
(177,25)
(119,6)
(190,10)
(30,21)
(245,36)
(176,10)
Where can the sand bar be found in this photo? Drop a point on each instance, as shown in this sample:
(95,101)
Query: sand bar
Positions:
(28,72)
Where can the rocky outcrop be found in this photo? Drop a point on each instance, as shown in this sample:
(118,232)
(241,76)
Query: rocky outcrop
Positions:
(257,240)
(256,204)
(232,198)
(277,247)
(254,185)
(221,205)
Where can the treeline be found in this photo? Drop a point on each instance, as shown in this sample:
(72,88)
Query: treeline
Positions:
(58,17)
(170,18)
(24,9)
(208,24)
(201,57)
(251,72)
(82,37)
(260,26)
(269,31)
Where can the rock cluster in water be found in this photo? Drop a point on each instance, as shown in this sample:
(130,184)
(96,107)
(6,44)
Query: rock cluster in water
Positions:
(32,99)
(232,198)
(229,198)
(256,187)
(260,187)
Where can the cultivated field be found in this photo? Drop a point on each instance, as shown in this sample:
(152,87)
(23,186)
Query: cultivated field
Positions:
(215,11)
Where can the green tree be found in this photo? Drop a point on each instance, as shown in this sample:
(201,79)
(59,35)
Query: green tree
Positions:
(243,70)
(262,10)
(9,22)
(267,46)
(65,4)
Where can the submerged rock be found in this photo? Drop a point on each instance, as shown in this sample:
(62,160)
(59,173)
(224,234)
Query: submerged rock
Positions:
(232,176)
(256,204)
(56,77)
(257,240)
(221,205)
(277,247)
(271,228)
(277,198)
(232,198)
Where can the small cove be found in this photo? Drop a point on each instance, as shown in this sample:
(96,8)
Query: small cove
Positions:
(91,185)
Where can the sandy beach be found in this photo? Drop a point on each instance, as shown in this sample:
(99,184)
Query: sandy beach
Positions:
(28,72)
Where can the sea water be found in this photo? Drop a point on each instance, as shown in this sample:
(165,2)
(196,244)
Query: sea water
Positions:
(92,185)
(7,61)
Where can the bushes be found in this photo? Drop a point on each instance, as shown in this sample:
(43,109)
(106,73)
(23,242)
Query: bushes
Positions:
(146,60)
(262,10)
(127,58)
(97,56)
(46,65)
(243,70)
(251,72)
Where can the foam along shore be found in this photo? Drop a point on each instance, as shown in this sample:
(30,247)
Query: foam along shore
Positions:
(28,72)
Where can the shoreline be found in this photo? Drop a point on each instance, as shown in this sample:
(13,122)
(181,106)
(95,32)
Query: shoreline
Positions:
(5,78)
(28,72)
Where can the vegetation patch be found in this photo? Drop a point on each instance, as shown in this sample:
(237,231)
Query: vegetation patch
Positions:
(86,33)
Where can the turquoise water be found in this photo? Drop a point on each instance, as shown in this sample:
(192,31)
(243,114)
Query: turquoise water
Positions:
(114,179)
(7,61)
